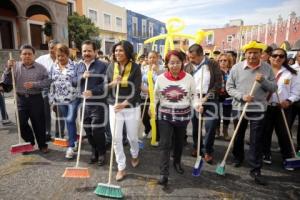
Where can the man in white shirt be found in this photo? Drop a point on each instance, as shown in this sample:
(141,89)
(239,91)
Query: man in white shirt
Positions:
(48,60)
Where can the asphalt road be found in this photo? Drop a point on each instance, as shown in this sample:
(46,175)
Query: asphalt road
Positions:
(38,176)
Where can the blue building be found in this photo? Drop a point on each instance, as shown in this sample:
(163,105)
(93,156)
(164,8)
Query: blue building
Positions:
(140,28)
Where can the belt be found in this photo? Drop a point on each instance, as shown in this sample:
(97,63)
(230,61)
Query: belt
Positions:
(274,104)
(27,94)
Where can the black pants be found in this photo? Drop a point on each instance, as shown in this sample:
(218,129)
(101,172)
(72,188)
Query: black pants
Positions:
(94,126)
(169,134)
(274,119)
(295,112)
(32,107)
(47,114)
(256,139)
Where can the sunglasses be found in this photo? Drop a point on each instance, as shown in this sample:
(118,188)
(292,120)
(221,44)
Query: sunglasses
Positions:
(277,55)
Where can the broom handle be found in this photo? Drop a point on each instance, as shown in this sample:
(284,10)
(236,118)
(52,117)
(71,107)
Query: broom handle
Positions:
(238,125)
(143,113)
(15,98)
(287,126)
(81,123)
(200,119)
(112,139)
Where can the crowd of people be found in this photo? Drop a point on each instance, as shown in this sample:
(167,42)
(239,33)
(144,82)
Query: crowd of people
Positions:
(185,85)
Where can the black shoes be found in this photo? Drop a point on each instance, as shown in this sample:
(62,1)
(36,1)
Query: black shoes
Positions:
(163,180)
(237,163)
(101,160)
(178,168)
(258,178)
(94,156)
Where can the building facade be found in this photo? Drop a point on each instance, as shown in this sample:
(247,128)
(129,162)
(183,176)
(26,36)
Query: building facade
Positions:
(140,28)
(278,34)
(110,18)
(23,22)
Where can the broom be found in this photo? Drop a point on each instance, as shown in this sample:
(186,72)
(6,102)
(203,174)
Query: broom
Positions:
(199,161)
(78,172)
(295,161)
(61,142)
(25,146)
(141,143)
(221,168)
(109,190)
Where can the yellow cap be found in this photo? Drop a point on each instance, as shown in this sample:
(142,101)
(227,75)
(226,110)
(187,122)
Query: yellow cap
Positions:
(254,45)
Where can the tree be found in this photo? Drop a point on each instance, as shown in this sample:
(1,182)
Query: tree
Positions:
(81,28)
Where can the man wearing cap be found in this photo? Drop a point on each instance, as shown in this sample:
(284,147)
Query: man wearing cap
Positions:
(239,83)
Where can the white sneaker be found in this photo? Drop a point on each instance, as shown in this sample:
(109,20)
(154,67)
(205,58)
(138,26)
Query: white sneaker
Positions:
(69,153)
(75,148)
(289,169)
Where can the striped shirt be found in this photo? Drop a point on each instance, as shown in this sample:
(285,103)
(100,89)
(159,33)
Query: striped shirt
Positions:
(35,73)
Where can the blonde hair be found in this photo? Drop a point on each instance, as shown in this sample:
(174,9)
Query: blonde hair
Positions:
(62,48)
(228,57)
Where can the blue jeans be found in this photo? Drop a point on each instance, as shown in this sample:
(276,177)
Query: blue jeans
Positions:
(3,107)
(210,116)
(69,114)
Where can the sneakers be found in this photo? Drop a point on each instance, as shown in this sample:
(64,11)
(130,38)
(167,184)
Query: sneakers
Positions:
(69,153)
(267,160)
(145,135)
(289,168)
(258,178)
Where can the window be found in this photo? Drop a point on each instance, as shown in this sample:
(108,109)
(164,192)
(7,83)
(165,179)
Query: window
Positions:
(144,28)
(134,27)
(139,48)
(119,23)
(210,39)
(107,20)
(150,29)
(70,8)
(161,49)
(229,38)
(155,47)
(93,15)
(162,30)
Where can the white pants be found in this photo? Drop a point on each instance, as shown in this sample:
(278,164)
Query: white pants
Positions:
(131,117)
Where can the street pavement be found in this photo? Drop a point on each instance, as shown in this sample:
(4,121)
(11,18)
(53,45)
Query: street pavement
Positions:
(38,176)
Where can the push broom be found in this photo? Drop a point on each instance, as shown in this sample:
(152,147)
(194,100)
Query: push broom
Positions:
(109,190)
(25,146)
(199,161)
(61,142)
(221,168)
(295,161)
(78,172)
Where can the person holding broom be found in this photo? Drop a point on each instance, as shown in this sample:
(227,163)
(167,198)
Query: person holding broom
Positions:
(175,92)
(31,78)
(125,72)
(91,73)
(241,79)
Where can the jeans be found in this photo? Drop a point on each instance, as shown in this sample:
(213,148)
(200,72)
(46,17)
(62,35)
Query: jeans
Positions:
(69,113)
(210,117)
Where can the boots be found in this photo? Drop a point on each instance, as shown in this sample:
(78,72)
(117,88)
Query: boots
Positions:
(225,133)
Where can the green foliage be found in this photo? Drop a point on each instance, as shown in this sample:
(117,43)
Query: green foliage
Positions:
(48,28)
(81,28)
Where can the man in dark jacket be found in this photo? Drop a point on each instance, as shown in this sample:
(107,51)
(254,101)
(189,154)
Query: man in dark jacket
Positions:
(208,78)
(93,71)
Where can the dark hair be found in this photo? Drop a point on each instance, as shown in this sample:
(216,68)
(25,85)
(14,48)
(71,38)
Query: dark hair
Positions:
(174,53)
(89,42)
(100,53)
(128,48)
(268,50)
(286,62)
(27,46)
(197,48)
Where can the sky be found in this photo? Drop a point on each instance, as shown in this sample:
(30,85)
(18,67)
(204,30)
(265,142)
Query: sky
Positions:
(200,14)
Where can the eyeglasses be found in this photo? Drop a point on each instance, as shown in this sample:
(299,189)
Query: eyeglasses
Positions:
(277,55)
